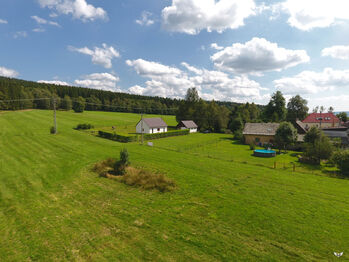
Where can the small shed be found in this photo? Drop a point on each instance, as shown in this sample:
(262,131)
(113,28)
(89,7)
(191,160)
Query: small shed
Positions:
(188,124)
(151,126)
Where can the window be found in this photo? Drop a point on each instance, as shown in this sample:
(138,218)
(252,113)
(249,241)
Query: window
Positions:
(257,139)
(158,129)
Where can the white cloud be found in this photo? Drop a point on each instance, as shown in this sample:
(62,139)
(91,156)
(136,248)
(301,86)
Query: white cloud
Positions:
(8,72)
(102,81)
(43,21)
(172,82)
(337,51)
(55,82)
(257,56)
(310,82)
(216,46)
(309,14)
(79,9)
(20,34)
(100,56)
(2,21)
(340,103)
(39,30)
(145,19)
(192,16)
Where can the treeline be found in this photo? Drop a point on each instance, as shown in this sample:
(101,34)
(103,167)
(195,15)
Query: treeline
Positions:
(210,116)
(30,93)
(29,96)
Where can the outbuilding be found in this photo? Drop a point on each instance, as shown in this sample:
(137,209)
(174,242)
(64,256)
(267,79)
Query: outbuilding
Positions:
(260,133)
(188,124)
(151,126)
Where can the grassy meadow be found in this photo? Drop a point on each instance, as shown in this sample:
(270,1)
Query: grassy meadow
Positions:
(228,205)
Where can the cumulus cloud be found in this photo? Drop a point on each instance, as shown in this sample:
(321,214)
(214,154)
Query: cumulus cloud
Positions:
(20,34)
(55,82)
(172,82)
(145,19)
(337,51)
(8,72)
(2,21)
(257,56)
(102,81)
(309,14)
(43,21)
(310,82)
(79,9)
(192,16)
(100,56)
(216,46)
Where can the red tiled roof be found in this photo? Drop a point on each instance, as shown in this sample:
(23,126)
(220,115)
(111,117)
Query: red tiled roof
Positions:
(321,117)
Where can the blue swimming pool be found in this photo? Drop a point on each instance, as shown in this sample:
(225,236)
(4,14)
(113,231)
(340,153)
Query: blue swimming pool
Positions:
(264,153)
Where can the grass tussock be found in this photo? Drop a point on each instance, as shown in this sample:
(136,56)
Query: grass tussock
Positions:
(105,167)
(135,177)
(147,180)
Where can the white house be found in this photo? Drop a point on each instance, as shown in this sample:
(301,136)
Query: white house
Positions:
(188,124)
(151,126)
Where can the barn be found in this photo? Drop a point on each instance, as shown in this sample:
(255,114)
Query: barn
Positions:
(151,126)
(188,124)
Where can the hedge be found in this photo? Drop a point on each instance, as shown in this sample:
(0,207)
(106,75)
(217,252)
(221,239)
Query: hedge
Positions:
(134,138)
(166,134)
(84,126)
(116,137)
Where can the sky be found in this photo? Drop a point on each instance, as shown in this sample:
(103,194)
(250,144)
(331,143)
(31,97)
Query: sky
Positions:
(230,50)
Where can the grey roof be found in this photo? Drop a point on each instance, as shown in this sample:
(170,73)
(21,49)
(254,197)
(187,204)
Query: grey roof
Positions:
(189,124)
(155,122)
(267,129)
(301,126)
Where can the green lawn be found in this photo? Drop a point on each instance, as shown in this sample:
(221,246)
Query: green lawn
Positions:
(227,207)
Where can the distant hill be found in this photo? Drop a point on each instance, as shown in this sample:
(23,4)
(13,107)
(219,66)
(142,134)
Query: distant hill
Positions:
(14,89)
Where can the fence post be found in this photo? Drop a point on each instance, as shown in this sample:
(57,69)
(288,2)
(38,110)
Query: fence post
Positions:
(294,167)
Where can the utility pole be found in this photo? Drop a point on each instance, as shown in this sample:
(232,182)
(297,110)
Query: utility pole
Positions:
(54,115)
(142,126)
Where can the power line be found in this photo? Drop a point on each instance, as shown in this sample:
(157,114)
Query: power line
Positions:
(24,99)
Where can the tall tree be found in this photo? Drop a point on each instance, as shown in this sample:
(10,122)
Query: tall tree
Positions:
(79,105)
(275,111)
(343,116)
(297,109)
(285,135)
(66,103)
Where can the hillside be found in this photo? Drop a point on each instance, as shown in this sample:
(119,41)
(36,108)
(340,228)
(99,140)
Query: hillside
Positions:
(225,207)
(103,100)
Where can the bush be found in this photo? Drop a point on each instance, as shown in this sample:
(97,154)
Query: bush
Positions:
(120,166)
(238,136)
(84,126)
(52,130)
(147,180)
(321,149)
(252,146)
(79,105)
(341,159)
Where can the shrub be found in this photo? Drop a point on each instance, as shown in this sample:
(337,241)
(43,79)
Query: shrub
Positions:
(105,166)
(238,136)
(341,159)
(147,180)
(120,166)
(79,105)
(52,130)
(252,146)
(84,126)
(321,149)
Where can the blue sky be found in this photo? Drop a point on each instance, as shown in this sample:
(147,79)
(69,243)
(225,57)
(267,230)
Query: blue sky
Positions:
(232,50)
